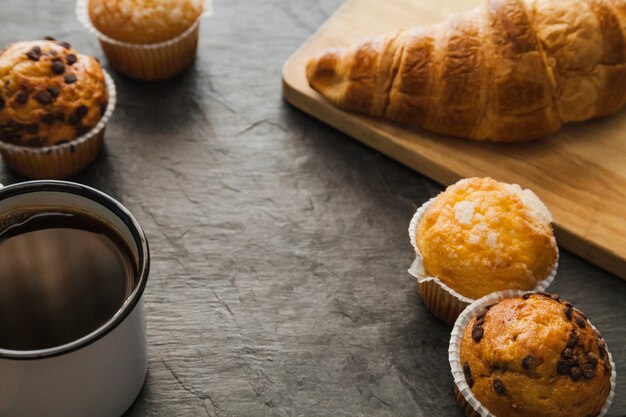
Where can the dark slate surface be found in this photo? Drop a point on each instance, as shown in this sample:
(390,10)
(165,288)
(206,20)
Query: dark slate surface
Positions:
(279,284)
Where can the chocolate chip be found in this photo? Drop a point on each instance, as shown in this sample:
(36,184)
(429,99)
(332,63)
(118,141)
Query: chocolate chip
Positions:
(487,307)
(468,375)
(568,312)
(7,133)
(34,54)
(584,316)
(82,110)
(70,79)
(34,142)
(82,129)
(66,45)
(607,365)
(22,97)
(16,126)
(555,297)
(575,373)
(527,295)
(71,59)
(580,322)
(48,118)
(499,387)
(72,148)
(78,114)
(592,358)
(545,294)
(14,140)
(49,38)
(74,120)
(54,91)
(103,107)
(60,116)
(44,97)
(588,370)
(477,333)
(573,340)
(32,128)
(528,362)
(481,316)
(602,351)
(2,103)
(568,353)
(597,333)
(563,367)
(58,67)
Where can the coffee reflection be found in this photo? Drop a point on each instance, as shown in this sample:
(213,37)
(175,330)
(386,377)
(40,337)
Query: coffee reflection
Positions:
(62,276)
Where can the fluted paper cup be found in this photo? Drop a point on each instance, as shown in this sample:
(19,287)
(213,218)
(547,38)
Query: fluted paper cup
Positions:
(467,401)
(147,62)
(64,160)
(442,301)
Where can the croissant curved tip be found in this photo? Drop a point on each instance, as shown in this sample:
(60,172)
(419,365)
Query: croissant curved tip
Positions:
(322,71)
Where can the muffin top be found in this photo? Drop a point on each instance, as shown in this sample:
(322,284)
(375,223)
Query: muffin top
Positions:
(144,21)
(536,356)
(481,236)
(49,93)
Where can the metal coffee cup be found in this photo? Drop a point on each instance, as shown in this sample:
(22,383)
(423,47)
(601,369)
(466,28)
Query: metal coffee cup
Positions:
(99,374)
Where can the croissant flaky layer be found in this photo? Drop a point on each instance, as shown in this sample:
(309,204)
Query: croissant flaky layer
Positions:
(509,70)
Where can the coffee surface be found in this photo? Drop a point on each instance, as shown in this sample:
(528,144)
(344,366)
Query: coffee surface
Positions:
(62,276)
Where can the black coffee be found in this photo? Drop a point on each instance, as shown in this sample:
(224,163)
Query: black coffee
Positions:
(62,275)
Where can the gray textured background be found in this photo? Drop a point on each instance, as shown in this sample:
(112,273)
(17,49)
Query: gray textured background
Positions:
(279,284)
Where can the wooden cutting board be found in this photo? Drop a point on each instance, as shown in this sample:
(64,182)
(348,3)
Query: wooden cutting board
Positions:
(580,173)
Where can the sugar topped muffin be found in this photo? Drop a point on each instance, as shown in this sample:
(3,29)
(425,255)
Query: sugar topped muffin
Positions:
(480,236)
(536,356)
(144,21)
(49,93)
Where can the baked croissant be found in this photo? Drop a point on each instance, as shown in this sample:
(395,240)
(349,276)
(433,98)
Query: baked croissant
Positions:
(510,70)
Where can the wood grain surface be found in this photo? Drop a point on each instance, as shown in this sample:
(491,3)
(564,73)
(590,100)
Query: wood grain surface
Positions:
(580,173)
(278,284)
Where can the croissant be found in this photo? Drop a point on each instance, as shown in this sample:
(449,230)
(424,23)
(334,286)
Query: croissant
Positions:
(510,70)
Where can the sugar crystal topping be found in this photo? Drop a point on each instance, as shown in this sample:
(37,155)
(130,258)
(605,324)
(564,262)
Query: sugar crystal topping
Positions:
(537,209)
(464,211)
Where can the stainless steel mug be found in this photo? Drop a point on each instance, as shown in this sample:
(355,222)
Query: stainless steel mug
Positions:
(101,373)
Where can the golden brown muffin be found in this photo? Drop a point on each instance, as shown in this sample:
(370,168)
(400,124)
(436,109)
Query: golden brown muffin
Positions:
(49,94)
(481,236)
(536,356)
(143,21)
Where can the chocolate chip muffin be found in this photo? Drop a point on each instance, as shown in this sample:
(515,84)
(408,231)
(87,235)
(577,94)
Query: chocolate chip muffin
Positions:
(480,236)
(536,356)
(49,93)
(144,21)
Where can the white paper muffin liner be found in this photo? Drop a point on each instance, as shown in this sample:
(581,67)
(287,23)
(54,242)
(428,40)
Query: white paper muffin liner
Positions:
(465,396)
(64,160)
(442,301)
(148,62)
